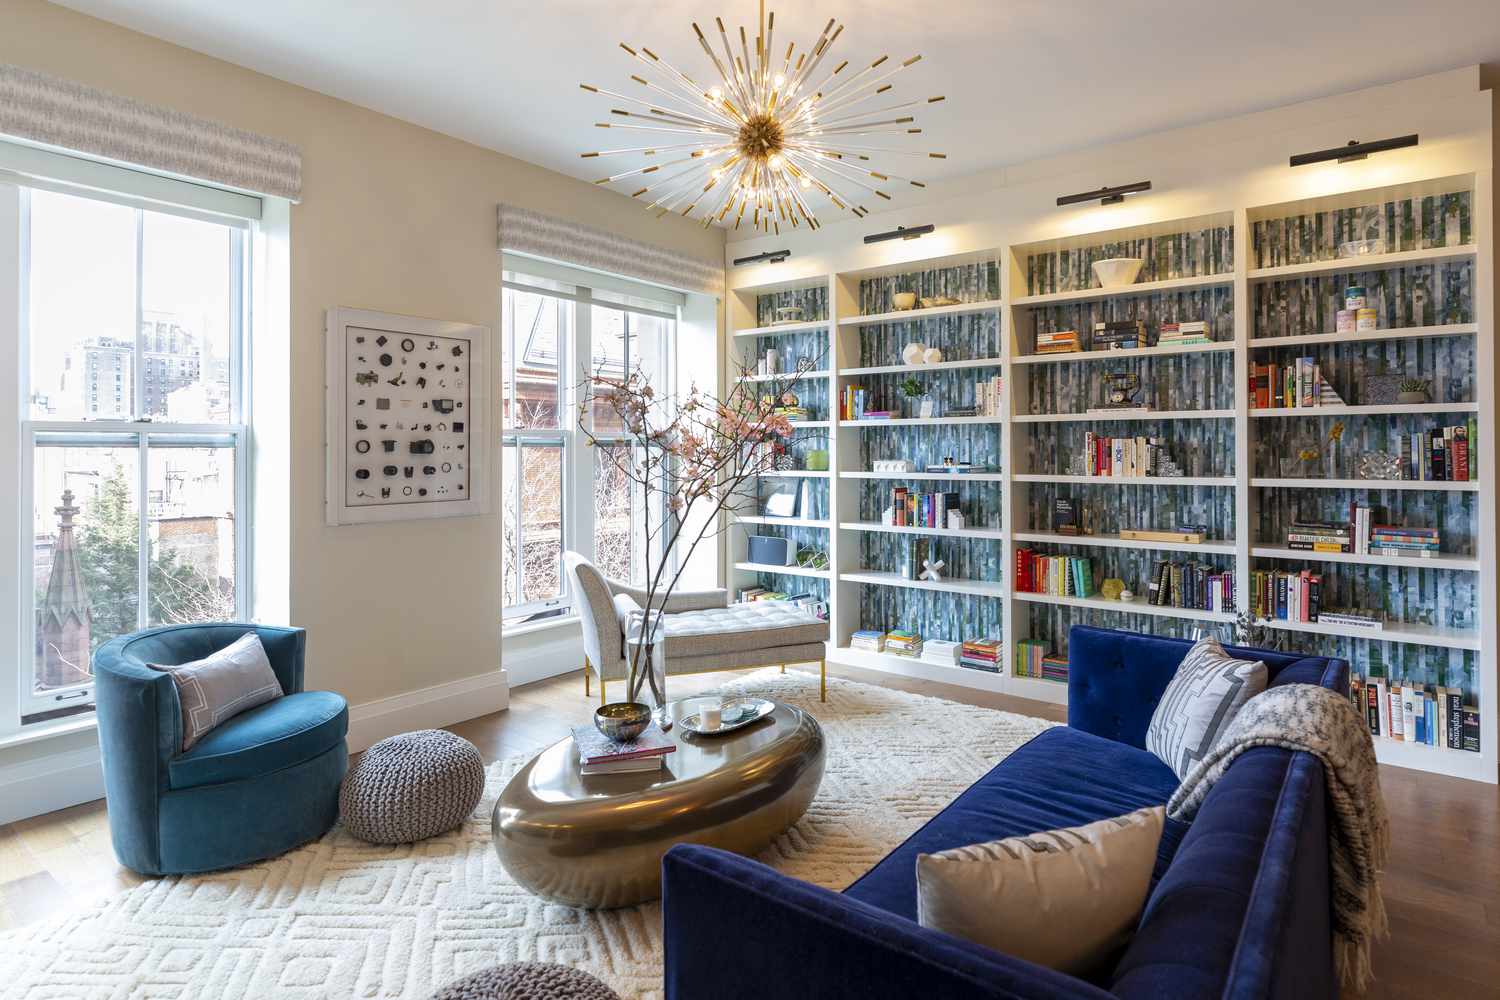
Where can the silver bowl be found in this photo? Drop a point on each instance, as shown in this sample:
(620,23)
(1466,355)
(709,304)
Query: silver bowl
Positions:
(622,721)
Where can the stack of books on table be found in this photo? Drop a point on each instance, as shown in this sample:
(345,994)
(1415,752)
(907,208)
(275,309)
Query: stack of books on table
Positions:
(1417,713)
(903,642)
(1396,540)
(868,638)
(980,654)
(1061,342)
(598,754)
(940,651)
(1118,335)
(1178,334)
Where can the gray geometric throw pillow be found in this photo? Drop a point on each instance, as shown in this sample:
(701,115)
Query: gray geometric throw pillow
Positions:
(222,685)
(1210,686)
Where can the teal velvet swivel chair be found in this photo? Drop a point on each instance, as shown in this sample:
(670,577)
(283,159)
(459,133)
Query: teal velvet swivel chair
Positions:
(253,787)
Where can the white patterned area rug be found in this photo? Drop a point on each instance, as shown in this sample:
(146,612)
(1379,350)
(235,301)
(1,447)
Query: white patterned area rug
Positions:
(340,918)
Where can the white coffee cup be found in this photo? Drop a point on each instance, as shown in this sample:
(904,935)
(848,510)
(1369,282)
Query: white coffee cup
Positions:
(709,717)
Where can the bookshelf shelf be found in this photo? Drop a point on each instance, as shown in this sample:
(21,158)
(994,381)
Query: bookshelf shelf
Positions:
(796,474)
(1137,606)
(1039,477)
(1139,352)
(1422,635)
(935,367)
(1465,486)
(810,424)
(913,315)
(1355,411)
(1218,547)
(804,377)
(1370,262)
(1440,760)
(947,477)
(789,522)
(817,574)
(1141,288)
(1440,561)
(1375,337)
(997,534)
(880,578)
(921,421)
(1058,418)
(783,329)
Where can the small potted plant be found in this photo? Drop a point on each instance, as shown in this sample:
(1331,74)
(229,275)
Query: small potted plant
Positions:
(1412,390)
(916,404)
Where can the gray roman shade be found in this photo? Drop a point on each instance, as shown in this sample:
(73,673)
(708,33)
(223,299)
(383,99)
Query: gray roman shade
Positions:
(51,112)
(523,231)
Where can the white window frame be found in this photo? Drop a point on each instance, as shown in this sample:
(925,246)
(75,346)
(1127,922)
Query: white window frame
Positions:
(139,431)
(575,356)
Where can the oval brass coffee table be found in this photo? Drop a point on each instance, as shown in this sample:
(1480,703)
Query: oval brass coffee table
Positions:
(598,841)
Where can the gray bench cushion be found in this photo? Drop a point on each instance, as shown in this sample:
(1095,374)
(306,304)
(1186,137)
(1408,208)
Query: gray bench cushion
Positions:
(740,627)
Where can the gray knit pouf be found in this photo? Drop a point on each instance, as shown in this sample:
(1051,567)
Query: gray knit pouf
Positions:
(412,786)
(527,981)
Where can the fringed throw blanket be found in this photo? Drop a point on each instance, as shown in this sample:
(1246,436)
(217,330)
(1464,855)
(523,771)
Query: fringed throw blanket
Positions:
(1326,725)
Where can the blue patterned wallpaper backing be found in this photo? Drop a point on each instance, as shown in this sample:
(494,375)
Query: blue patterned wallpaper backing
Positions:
(979,282)
(981,503)
(948,388)
(1454,514)
(1278,441)
(1422,295)
(813,302)
(1211,305)
(935,615)
(1170,382)
(923,445)
(1408,224)
(1178,255)
(1448,361)
(1107,509)
(964,558)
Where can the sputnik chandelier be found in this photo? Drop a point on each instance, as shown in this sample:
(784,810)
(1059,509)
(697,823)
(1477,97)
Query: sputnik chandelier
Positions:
(762,144)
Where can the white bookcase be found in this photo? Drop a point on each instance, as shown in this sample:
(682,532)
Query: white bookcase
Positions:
(1236,474)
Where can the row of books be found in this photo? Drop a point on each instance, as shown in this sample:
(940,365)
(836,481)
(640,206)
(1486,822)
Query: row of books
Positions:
(980,654)
(858,403)
(1417,713)
(1296,596)
(1191,585)
(1299,384)
(1061,576)
(1363,534)
(1034,660)
(1115,457)
(911,509)
(1443,454)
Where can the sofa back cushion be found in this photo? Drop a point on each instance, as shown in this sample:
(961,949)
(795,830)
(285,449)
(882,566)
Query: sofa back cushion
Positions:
(1115,678)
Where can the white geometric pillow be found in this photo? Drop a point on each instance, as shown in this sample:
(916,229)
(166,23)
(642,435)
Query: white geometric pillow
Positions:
(222,685)
(1208,689)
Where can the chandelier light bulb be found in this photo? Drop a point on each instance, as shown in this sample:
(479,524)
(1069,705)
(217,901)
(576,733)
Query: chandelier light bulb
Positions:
(767,119)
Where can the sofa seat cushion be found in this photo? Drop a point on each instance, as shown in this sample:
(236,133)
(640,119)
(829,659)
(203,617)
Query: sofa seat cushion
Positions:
(270,737)
(1063,777)
(756,625)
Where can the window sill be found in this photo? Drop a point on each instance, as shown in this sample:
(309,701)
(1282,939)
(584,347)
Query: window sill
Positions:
(515,631)
(44,731)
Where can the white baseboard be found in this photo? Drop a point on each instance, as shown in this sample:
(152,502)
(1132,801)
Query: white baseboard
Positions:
(539,653)
(72,777)
(428,708)
(55,781)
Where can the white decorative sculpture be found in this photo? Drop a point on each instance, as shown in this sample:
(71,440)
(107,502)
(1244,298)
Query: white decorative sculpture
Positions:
(932,571)
(932,356)
(913,354)
(955,520)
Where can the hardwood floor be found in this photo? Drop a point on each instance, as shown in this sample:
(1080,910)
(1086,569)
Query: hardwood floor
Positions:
(1442,888)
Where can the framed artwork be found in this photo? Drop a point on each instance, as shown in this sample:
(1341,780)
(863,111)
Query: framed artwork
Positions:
(408,404)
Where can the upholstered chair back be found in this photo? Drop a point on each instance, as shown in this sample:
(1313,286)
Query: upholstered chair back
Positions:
(596,609)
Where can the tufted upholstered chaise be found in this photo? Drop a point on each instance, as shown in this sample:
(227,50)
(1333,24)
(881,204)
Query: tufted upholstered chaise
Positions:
(702,630)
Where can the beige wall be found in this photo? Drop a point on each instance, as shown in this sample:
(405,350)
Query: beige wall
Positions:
(395,218)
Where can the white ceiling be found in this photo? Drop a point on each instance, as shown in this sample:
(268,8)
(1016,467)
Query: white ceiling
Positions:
(1023,78)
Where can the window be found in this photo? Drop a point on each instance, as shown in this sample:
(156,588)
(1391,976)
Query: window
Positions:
(558,492)
(132,324)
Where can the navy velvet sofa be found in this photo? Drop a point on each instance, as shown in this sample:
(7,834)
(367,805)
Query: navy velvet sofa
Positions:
(1240,901)
(252,787)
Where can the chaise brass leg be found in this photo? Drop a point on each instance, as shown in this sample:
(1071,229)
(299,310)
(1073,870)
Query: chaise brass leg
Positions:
(601,691)
(783,668)
(822,680)
(586,672)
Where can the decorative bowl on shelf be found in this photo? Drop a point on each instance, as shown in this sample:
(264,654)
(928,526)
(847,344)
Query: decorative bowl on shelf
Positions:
(1361,248)
(904,300)
(933,302)
(789,314)
(622,721)
(1118,272)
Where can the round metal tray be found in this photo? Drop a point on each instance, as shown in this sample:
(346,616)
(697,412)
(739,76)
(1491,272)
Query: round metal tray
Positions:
(760,708)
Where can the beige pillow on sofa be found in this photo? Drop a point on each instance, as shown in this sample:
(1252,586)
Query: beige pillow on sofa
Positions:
(223,684)
(1067,899)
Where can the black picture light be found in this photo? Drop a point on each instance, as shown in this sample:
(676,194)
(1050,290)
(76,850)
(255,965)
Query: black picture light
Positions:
(901,233)
(1105,195)
(1353,150)
(770,257)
